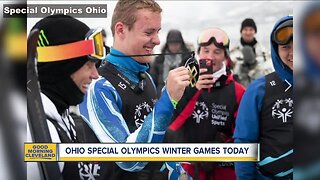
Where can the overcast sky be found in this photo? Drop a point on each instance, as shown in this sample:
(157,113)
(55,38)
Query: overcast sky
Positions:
(193,16)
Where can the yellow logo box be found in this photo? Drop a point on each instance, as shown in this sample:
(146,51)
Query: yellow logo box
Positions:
(34,152)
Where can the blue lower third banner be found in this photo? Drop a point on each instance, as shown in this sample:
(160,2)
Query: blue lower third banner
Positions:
(228,152)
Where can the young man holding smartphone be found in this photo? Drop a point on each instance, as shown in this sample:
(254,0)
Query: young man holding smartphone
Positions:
(121,106)
(207,112)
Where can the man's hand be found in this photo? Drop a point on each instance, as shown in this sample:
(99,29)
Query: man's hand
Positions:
(177,81)
(205,81)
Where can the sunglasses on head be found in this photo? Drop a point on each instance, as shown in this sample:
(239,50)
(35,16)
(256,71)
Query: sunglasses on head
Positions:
(214,35)
(92,47)
(284,33)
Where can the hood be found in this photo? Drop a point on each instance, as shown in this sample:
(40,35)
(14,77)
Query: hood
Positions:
(311,68)
(283,71)
(174,36)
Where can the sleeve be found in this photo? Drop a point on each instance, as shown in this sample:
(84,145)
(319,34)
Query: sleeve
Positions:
(247,125)
(239,89)
(260,53)
(101,109)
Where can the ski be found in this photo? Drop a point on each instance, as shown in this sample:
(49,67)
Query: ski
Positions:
(36,115)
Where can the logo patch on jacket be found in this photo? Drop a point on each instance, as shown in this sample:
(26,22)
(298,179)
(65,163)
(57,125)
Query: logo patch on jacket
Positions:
(141,112)
(200,112)
(282,109)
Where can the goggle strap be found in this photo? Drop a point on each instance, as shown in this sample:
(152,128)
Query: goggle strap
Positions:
(65,51)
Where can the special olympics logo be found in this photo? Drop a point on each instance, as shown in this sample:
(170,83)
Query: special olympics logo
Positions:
(141,111)
(283,109)
(201,112)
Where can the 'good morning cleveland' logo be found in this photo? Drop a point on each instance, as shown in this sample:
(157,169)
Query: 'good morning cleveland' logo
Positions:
(40,152)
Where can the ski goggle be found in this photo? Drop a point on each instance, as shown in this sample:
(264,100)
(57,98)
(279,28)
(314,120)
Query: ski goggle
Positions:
(312,23)
(214,35)
(284,33)
(92,47)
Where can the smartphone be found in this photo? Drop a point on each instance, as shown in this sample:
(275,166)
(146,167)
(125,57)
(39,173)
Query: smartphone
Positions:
(207,64)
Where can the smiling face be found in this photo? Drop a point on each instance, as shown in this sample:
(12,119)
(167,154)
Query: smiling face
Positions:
(142,37)
(286,54)
(247,34)
(83,76)
(212,52)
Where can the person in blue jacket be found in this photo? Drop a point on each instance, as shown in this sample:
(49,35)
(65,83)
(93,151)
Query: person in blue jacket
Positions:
(266,112)
(121,106)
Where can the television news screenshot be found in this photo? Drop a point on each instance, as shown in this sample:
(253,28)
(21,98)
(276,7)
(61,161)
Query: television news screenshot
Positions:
(160,90)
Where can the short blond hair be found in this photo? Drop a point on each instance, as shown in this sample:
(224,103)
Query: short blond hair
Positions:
(125,11)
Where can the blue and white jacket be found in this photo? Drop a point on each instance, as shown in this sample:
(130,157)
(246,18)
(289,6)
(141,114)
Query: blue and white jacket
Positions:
(102,105)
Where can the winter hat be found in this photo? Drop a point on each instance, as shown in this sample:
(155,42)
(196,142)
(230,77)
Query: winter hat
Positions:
(248,22)
(55,77)
(58,30)
(174,36)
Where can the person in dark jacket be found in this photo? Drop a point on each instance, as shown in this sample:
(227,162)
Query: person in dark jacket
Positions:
(206,113)
(164,63)
(64,73)
(266,112)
